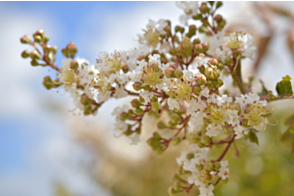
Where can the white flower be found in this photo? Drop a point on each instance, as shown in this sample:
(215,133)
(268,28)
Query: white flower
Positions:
(206,190)
(173,103)
(213,130)
(146,95)
(224,171)
(239,130)
(135,138)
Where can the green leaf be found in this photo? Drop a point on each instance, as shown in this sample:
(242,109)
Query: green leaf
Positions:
(264,89)
(253,137)
(284,87)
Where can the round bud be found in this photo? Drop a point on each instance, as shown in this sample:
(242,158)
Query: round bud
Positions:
(205,46)
(88,110)
(213,61)
(65,52)
(172,52)
(197,89)
(196,41)
(25,39)
(197,17)
(47,48)
(219,4)
(202,69)
(74,65)
(35,55)
(136,103)
(220,66)
(199,167)
(37,38)
(205,139)
(198,49)
(169,72)
(47,82)
(25,54)
(201,80)
(39,32)
(228,60)
(72,49)
(179,73)
(219,83)
(125,69)
(202,29)
(218,18)
(167,28)
(34,63)
(54,49)
(208,166)
(161,125)
(85,99)
(46,38)
(217,165)
(137,86)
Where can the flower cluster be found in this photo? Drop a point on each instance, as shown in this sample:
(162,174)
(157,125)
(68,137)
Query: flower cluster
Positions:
(174,77)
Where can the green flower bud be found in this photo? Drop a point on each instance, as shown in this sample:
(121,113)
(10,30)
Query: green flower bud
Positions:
(65,52)
(205,46)
(35,55)
(176,141)
(174,119)
(46,38)
(186,44)
(54,49)
(205,139)
(139,111)
(47,49)
(213,61)
(199,167)
(219,4)
(217,165)
(136,103)
(47,82)
(88,110)
(37,38)
(124,116)
(172,52)
(72,49)
(178,29)
(197,17)
(221,25)
(228,60)
(205,176)
(137,86)
(25,54)
(147,87)
(201,80)
(199,143)
(40,33)
(85,99)
(193,137)
(74,65)
(209,166)
(202,29)
(25,39)
(169,72)
(197,89)
(179,73)
(204,9)
(198,49)
(219,83)
(167,29)
(218,18)
(202,69)
(190,156)
(196,41)
(220,66)
(161,125)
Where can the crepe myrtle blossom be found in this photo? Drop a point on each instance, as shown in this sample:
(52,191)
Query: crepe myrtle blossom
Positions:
(173,80)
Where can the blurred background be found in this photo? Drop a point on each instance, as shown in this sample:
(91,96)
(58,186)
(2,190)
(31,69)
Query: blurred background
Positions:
(47,150)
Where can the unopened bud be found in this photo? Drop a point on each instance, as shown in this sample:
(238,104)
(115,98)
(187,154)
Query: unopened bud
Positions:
(65,52)
(218,18)
(125,69)
(197,17)
(200,80)
(192,29)
(219,83)
(167,28)
(34,63)
(37,38)
(209,166)
(47,49)
(124,116)
(176,141)
(72,49)
(174,119)
(88,110)
(25,39)
(228,60)
(202,69)
(169,72)
(139,111)
(155,106)
(217,165)
(213,61)
(39,32)
(35,55)
(197,89)
(196,41)
(137,86)
(205,46)
(186,43)
(205,139)
(47,82)
(219,4)
(85,99)
(179,73)
(54,49)
(74,65)
(25,54)
(136,103)
(202,29)
(172,52)
(199,167)
(198,49)
(220,66)
(46,38)
(161,125)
